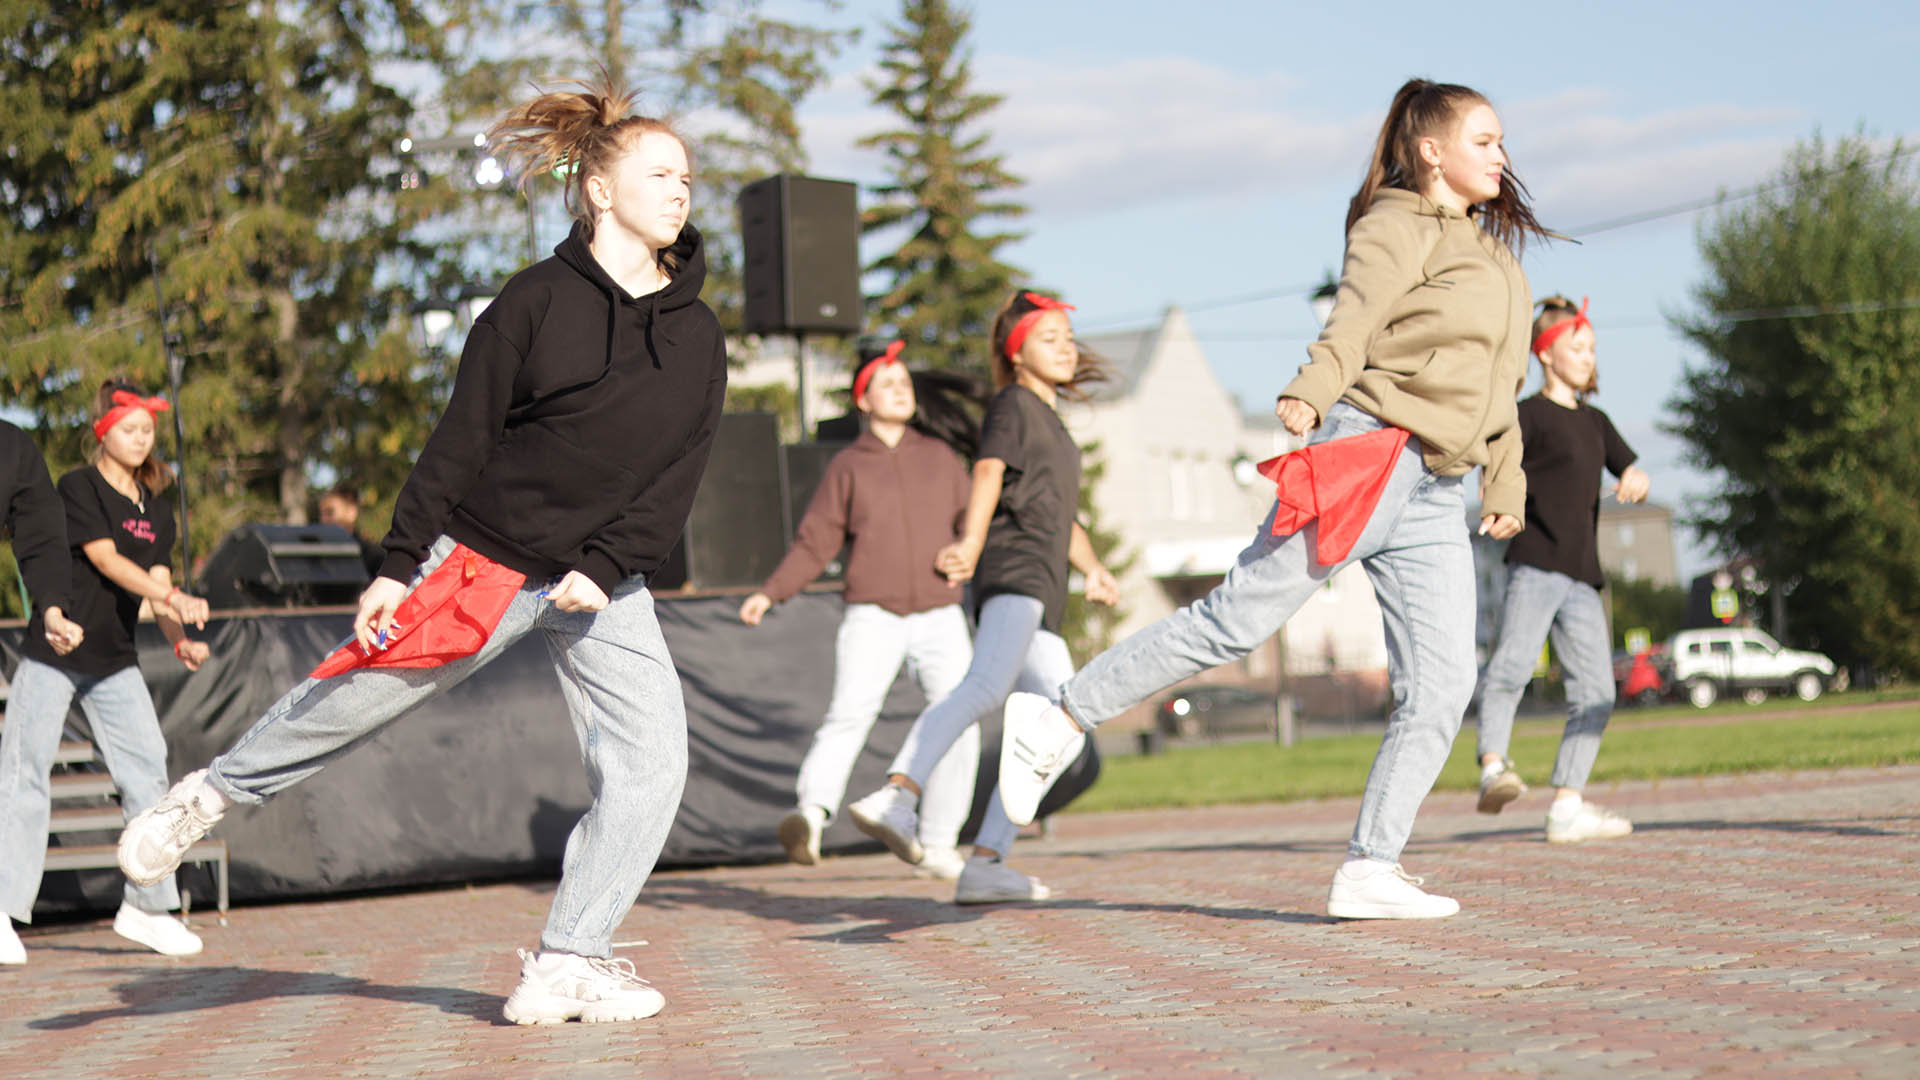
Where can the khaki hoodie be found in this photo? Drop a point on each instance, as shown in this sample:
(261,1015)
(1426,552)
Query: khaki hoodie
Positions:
(1430,333)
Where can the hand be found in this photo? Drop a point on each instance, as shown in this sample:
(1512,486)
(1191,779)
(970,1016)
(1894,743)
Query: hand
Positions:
(577,592)
(957,560)
(755,608)
(63,633)
(1296,416)
(188,609)
(1501,526)
(1633,485)
(192,653)
(1102,588)
(375,617)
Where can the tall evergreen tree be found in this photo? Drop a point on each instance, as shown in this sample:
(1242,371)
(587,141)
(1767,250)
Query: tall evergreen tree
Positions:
(1808,404)
(945,281)
(234,158)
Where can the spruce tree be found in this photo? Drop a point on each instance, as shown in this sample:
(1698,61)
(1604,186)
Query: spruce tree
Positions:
(945,280)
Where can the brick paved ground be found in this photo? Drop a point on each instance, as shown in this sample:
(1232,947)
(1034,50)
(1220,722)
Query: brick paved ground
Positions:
(1761,925)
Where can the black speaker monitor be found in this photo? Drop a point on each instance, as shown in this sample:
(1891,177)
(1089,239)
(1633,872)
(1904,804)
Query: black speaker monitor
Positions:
(284,566)
(801,241)
(735,534)
(805,466)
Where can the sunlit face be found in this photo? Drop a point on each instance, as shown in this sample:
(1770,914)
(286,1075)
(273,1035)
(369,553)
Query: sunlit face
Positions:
(1469,159)
(130,442)
(1571,360)
(889,394)
(1048,354)
(649,191)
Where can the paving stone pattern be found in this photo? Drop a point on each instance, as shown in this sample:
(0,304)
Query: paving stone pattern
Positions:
(1752,926)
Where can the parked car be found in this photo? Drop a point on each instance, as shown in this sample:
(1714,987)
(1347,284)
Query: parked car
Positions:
(1708,664)
(1642,678)
(1216,710)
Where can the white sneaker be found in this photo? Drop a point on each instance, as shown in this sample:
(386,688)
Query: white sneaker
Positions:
(11,951)
(800,834)
(888,816)
(1584,821)
(940,863)
(556,987)
(987,879)
(1037,744)
(163,934)
(1370,889)
(155,841)
(1499,785)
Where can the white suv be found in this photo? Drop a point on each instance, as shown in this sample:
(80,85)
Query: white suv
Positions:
(1709,663)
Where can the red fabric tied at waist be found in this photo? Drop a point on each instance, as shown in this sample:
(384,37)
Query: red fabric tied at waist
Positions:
(449,615)
(1339,482)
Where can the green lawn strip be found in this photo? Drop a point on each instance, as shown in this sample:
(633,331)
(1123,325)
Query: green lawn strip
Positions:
(1812,738)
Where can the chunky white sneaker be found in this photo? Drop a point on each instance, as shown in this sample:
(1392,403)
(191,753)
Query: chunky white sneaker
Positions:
(556,987)
(987,879)
(800,834)
(888,816)
(1370,889)
(940,863)
(1037,744)
(1584,821)
(162,933)
(11,951)
(1499,785)
(154,842)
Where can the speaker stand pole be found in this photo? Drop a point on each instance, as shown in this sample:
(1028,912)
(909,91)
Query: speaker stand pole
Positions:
(174,363)
(800,380)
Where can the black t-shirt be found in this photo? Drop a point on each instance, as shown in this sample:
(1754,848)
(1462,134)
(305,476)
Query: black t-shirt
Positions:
(143,532)
(1564,451)
(1026,548)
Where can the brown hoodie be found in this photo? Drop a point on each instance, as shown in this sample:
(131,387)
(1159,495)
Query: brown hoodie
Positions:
(1430,333)
(900,506)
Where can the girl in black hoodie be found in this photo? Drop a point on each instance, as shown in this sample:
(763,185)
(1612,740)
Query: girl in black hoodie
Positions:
(558,478)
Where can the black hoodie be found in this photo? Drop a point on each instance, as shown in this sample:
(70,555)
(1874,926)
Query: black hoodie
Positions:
(580,423)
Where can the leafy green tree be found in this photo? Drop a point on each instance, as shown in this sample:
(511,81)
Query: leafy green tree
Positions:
(1661,610)
(235,159)
(945,280)
(1808,403)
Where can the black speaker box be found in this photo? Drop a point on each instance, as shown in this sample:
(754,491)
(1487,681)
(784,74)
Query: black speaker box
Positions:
(806,464)
(284,566)
(737,530)
(801,241)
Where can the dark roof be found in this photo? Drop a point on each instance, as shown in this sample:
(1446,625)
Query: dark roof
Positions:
(1126,353)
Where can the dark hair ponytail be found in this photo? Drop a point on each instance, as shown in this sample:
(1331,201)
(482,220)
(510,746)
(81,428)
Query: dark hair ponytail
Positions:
(1423,109)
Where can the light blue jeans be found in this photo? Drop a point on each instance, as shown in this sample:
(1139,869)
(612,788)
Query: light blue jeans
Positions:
(624,697)
(1415,550)
(1540,603)
(1010,652)
(872,644)
(125,732)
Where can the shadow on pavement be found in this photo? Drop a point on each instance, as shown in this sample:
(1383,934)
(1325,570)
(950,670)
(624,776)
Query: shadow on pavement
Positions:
(1851,827)
(162,993)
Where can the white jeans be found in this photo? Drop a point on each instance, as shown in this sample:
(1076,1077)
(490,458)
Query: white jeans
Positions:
(872,644)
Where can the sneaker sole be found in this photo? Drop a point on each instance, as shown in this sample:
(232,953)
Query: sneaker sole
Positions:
(1565,838)
(977,898)
(1379,911)
(907,848)
(796,835)
(1495,799)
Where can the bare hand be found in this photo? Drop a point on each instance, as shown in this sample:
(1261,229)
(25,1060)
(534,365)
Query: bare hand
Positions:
(577,592)
(1633,486)
(190,610)
(1102,588)
(1501,526)
(1296,416)
(755,608)
(957,560)
(193,653)
(63,633)
(375,617)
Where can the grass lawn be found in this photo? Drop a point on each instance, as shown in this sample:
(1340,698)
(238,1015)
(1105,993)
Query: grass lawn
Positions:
(1640,744)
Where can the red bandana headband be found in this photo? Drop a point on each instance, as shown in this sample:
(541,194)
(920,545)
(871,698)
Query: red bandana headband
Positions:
(1545,339)
(872,368)
(124,404)
(1041,305)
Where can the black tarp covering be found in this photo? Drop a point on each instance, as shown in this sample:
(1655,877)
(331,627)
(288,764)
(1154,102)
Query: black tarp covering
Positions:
(485,781)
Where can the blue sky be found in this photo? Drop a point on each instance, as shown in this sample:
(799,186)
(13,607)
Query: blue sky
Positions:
(1194,153)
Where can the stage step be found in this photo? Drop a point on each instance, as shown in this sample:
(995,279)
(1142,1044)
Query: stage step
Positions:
(82,785)
(104,856)
(93,818)
(73,752)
